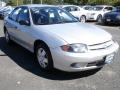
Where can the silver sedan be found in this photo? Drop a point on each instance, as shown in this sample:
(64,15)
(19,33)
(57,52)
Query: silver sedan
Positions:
(59,40)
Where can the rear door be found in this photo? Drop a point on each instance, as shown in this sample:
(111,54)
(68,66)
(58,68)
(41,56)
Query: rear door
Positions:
(11,23)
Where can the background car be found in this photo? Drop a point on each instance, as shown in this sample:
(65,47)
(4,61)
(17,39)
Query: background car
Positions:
(2,3)
(112,17)
(5,11)
(88,7)
(98,12)
(58,39)
(76,11)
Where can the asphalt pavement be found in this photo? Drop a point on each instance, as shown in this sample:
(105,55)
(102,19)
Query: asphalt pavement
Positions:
(19,71)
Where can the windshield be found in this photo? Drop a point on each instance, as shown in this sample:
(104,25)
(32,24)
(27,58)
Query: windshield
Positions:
(51,15)
(117,9)
(98,8)
(88,8)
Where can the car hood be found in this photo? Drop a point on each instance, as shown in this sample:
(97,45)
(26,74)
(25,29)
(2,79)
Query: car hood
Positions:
(78,33)
(113,13)
(93,11)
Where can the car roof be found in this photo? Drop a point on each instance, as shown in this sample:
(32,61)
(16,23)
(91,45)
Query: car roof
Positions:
(69,5)
(103,5)
(38,5)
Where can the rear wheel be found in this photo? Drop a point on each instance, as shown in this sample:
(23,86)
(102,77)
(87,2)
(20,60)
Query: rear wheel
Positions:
(7,37)
(44,57)
(83,19)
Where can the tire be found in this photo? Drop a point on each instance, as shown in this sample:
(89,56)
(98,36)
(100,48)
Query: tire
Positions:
(99,18)
(105,23)
(7,38)
(44,58)
(83,19)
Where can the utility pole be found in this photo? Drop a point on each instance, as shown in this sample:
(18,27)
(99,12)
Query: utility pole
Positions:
(17,2)
(31,1)
(62,2)
(1,3)
(41,1)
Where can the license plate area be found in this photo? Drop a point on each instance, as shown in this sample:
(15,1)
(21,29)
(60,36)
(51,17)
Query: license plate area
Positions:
(108,20)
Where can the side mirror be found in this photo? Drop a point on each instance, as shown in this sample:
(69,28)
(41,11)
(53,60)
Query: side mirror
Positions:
(24,22)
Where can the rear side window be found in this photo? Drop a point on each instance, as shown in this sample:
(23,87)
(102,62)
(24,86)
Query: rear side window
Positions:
(74,8)
(68,9)
(109,8)
(14,14)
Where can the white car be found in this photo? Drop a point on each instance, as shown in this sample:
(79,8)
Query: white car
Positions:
(76,11)
(4,11)
(59,40)
(7,12)
(2,4)
(98,12)
(88,7)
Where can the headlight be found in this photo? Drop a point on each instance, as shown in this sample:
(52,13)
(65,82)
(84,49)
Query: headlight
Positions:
(118,16)
(76,48)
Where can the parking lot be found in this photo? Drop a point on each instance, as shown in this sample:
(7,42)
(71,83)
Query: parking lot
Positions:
(19,71)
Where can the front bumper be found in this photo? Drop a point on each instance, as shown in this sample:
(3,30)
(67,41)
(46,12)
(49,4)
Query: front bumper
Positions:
(91,60)
(91,17)
(111,21)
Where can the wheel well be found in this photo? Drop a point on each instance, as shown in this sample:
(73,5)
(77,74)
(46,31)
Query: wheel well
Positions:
(83,15)
(99,15)
(37,42)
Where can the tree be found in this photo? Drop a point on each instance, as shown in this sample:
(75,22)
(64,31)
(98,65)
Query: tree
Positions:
(10,3)
(77,2)
(117,3)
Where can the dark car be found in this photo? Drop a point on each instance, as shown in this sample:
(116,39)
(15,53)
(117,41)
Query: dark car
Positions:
(112,17)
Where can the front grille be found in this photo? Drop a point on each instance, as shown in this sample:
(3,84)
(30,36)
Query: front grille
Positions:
(96,63)
(99,46)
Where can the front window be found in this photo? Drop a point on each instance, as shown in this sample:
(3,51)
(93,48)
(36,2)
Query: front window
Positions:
(23,15)
(51,15)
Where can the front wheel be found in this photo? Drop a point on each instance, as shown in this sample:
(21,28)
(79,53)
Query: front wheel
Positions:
(44,57)
(83,19)
(99,19)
